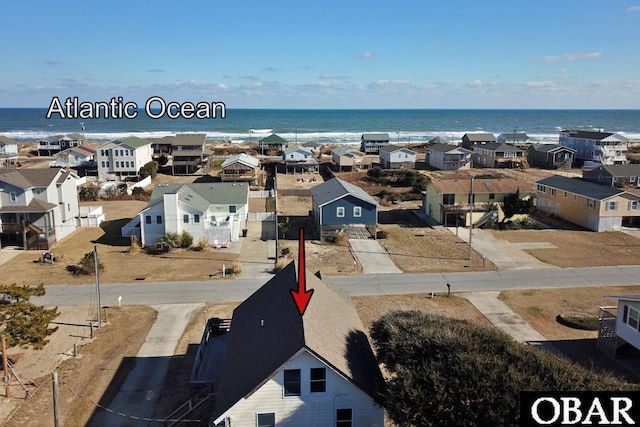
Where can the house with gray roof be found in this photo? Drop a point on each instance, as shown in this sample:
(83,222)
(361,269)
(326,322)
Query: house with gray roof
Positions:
(616,175)
(396,157)
(596,147)
(217,211)
(38,207)
(241,167)
(496,155)
(55,143)
(472,139)
(448,157)
(550,156)
(513,138)
(298,159)
(348,158)
(8,147)
(338,204)
(122,157)
(280,367)
(370,143)
(593,206)
(187,153)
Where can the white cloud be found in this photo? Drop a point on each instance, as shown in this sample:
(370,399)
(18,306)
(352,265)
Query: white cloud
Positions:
(365,55)
(632,9)
(475,83)
(540,85)
(571,56)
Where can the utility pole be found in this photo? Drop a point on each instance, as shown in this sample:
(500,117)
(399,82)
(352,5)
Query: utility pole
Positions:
(471,206)
(5,366)
(56,411)
(95,263)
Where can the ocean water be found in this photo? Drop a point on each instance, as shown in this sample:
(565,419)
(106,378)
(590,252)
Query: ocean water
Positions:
(327,126)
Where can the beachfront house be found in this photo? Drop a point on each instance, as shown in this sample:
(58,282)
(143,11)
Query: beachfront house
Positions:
(619,330)
(550,156)
(298,159)
(273,366)
(472,139)
(312,146)
(340,205)
(348,159)
(217,211)
(38,207)
(594,148)
(241,167)
(122,158)
(187,153)
(616,175)
(55,143)
(449,157)
(496,155)
(395,157)
(272,142)
(514,138)
(370,143)
(593,206)
(454,199)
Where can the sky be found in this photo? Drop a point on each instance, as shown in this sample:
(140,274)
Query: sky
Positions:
(324,54)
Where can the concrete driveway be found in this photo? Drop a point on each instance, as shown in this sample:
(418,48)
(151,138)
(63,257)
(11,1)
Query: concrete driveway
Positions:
(373,257)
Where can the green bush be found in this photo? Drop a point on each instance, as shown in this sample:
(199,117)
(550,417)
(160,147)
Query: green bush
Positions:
(586,323)
(186,240)
(167,242)
(445,371)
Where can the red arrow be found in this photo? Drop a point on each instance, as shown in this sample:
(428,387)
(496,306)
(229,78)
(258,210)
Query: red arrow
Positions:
(301,296)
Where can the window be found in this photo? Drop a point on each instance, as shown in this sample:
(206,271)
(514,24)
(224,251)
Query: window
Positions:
(68,207)
(633,317)
(634,205)
(492,196)
(13,197)
(612,206)
(147,219)
(266,420)
(185,219)
(357,211)
(448,199)
(541,188)
(632,179)
(565,194)
(318,382)
(552,192)
(232,209)
(292,382)
(196,218)
(575,197)
(591,203)
(344,417)
(340,212)
(117,164)
(159,219)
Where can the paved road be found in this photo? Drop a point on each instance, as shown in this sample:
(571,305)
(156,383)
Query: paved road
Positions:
(221,290)
(373,257)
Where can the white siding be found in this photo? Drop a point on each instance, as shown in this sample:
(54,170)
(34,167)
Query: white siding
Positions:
(625,331)
(308,409)
(150,232)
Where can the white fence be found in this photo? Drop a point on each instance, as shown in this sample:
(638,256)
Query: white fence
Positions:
(261,216)
(143,183)
(260,194)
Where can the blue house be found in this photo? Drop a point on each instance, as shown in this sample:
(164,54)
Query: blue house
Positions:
(340,205)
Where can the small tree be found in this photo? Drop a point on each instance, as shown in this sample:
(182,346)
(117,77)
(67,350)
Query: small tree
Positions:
(88,193)
(149,169)
(24,323)
(514,205)
(283,228)
(186,239)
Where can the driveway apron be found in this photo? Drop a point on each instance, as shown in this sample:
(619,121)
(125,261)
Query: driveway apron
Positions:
(373,257)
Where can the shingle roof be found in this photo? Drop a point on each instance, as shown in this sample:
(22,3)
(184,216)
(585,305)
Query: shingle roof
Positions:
(480,136)
(242,158)
(190,139)
(438,140)
(293,148)
(445,148)
(35,206)
(273,139)
(496,146)
(481,185)
(588,134)
(6,140)
(335,189)
(267,331)
(581,187)
(341,151)
(549,148)
(622,170)
(29,178)
(375,136)
(202,195)
(390,148)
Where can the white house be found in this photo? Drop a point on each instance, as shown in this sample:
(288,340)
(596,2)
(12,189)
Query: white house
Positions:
(286,369)
(594,148)
(619,326)
(217,211)
(394,157)
(81,155)
(349,158)
(448,157)
(38,207)
(8,147)
(122,157)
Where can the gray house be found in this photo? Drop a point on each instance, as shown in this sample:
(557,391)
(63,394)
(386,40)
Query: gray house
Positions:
(470,140)
(614,175)
(338,204)
(370,143)
(550,156)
